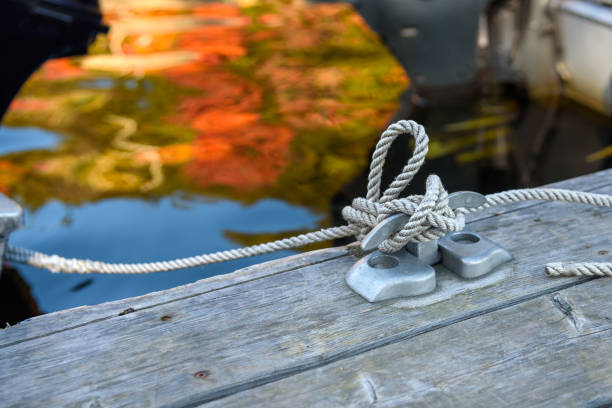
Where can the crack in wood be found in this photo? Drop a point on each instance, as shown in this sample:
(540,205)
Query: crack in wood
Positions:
(567,309)
(369,388)
(525,355)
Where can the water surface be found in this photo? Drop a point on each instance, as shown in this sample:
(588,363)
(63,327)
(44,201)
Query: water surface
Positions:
(23,139)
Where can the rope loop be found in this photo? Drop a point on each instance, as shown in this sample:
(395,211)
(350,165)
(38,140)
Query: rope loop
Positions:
(430,216)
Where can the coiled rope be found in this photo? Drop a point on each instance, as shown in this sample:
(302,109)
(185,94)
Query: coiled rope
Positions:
(430,217)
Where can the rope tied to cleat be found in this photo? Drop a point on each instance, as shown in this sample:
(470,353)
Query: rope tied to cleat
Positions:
(429,218)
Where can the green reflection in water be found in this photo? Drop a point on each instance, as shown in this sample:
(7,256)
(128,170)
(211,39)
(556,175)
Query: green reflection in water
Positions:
(273,100)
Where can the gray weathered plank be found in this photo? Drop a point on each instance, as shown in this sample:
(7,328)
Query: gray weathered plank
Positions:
(64,320)
(552,351)
(262,330)
(71,318)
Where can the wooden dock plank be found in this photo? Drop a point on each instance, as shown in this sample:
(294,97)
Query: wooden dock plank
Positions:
(64,320)
(72,318)
(257,331)
(537,353)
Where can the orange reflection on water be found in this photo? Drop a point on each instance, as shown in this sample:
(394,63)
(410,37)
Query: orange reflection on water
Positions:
(208,95)
(62,68)
(232,147)
(247,160)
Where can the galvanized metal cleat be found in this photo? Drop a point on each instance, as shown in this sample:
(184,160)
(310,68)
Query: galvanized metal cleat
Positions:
(379,276)
(471,255)
(383,230)
(11,218)
(466,199)
(426,251)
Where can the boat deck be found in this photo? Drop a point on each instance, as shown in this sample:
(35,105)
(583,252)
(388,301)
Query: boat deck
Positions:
(291,333)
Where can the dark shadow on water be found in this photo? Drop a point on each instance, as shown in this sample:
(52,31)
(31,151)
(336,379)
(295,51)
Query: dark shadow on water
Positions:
(16,300)
(539,143)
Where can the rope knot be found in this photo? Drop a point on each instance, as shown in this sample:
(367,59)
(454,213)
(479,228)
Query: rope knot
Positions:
(430,216)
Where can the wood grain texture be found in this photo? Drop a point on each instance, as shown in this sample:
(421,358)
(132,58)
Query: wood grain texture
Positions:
(71,318)
(265,328)
(551,351)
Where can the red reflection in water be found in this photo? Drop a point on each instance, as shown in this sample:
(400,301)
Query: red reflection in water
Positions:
(61,69)
(30,105)
(246,84)
(245,160)
(233,148)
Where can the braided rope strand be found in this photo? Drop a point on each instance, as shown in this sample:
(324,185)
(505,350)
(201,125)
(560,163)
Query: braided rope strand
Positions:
(430,217)
(579,269)
(57,264)
(410,169)
(548,194)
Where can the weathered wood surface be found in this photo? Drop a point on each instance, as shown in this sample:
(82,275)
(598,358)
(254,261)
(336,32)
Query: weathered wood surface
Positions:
(551,351)
(291,333)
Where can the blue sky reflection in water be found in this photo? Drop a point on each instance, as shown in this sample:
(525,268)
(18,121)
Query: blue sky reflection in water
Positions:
(23,139)
(134,230)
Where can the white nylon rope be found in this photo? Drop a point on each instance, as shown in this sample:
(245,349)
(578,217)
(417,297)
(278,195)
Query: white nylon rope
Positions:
(430,218)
